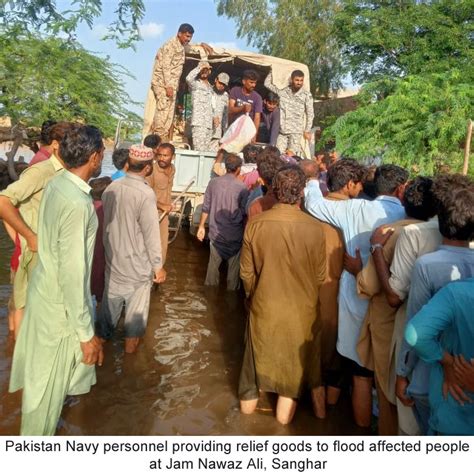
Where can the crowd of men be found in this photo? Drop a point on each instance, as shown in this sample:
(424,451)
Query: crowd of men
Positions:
(354,277)
(283,118)
(337,263)
(86,250)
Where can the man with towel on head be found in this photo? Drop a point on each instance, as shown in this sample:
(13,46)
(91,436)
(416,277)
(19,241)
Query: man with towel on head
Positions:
(132,249)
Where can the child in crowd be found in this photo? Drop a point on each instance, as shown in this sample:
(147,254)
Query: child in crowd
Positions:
(119,159)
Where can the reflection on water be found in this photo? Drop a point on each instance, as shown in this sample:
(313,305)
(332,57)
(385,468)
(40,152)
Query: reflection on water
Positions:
(107,165)
(183,379)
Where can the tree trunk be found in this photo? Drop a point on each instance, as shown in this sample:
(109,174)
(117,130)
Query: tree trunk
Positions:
(467,149)
(29,135)
(6,134)
(19,135)
(11,157)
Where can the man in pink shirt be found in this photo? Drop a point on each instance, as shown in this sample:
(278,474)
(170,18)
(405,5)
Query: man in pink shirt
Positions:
(45,150)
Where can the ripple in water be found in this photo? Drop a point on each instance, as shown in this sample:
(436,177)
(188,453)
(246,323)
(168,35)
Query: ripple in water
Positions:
(175,400)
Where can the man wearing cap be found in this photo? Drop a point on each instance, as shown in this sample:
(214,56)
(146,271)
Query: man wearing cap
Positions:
(220,105)
(201,100)
(167,71)
(132,249)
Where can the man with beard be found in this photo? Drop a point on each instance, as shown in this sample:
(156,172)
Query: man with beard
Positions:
(132,249)
(167,71)
(56,349)
(296,112)
(201,99)
(161,181)
(245,100)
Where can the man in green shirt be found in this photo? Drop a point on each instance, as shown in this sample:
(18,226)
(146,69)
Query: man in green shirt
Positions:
(24,196)
(56,348)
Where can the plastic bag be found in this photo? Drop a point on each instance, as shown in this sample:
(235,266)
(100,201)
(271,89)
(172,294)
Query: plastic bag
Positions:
(238,135)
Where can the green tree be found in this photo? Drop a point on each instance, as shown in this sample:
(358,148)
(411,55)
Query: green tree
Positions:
(45,16)
(421,124)
(416,58)
(43,78)
(384,38)
(299,30)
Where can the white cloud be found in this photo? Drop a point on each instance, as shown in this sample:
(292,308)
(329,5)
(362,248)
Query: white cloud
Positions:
(151,30)
(99,30)
(231,45)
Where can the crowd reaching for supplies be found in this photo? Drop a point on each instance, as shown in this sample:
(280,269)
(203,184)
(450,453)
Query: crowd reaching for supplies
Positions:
(354,277)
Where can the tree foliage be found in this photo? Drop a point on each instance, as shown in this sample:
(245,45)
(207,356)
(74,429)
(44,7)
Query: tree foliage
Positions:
(417,59)
(396,38)
(421,124)
(298,30)
(43,78)
(45,16)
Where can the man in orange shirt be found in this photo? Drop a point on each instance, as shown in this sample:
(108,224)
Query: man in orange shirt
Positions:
(161,180)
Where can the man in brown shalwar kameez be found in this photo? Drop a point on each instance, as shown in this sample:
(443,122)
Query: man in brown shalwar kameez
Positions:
(283,264)
(161,181)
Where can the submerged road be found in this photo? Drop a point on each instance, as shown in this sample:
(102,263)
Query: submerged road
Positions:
(183,379)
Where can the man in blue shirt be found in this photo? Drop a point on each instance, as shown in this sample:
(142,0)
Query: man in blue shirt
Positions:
(357,219)
(454,260)
(444,328)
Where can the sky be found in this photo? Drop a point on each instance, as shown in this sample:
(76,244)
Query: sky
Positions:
(161,22)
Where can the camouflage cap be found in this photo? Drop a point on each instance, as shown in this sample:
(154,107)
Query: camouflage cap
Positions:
(223,78)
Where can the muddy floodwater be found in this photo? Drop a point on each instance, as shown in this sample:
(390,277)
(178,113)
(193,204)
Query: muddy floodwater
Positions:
(183,379)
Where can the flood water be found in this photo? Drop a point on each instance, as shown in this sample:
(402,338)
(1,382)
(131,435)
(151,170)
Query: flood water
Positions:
(183,379)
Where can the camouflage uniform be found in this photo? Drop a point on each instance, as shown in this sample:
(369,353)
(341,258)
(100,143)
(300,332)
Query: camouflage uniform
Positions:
(201,118)
(167,70)
(296,116)
(220,106)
